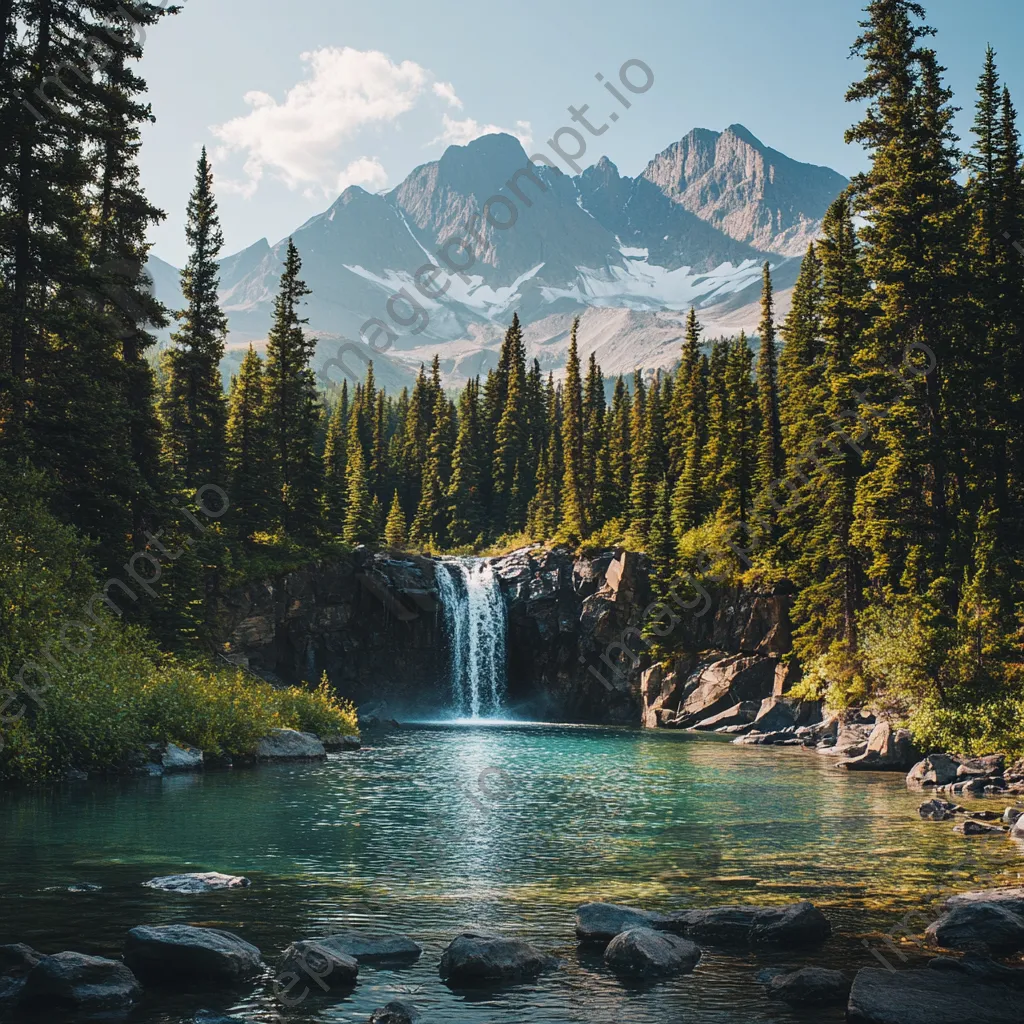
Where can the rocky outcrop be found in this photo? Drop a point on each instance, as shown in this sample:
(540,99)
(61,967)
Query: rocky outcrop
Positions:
(484,958)
(888,750)
(372,622)
(923,996)
(971,776)
(188,957)
(646,953)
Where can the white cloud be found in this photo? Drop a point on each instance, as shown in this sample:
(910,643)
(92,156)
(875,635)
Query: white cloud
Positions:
(447,92)
(458,133)
(296,140)
(366,171)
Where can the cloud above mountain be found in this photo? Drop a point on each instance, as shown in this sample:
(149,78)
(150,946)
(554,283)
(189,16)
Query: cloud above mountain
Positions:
(320,138)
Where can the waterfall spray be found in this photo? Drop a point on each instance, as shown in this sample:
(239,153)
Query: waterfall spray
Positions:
(475,615)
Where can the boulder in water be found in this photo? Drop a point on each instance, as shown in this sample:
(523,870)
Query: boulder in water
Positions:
(395,1012)
(937,810)
(978,828)
(482,958)
(810,986)
(319,962)
(16,961)
(196,882)
(188,957)
(601,922)
(934,770)
(983,925)
(794,925)
(646,953)
(86,984)
(880,996)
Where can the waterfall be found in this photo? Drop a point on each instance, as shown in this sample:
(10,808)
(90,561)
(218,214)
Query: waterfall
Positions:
(474,613)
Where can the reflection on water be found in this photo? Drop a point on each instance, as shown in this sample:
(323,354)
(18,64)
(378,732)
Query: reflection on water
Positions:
(432,829)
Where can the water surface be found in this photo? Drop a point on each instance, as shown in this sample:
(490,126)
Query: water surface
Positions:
(431,829)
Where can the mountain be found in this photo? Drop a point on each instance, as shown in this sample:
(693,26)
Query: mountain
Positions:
(750,192)
(630,254)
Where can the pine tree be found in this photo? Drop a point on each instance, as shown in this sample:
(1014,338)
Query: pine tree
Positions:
(359,516)
(465,508)
(619,458)
(593,437)
(769,442)
(645,462)
(193,408)
(335,462)
(395,527)
(740,449)
(800,360)
(689,503)
(512,483)
(248,449)
(430,526)
(293,405)
(680,411)
(574,522)
(661,541)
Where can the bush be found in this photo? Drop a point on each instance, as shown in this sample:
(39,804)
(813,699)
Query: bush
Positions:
(317,710)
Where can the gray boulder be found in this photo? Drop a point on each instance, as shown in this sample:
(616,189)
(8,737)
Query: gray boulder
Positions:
(934,770)
(290,745)
(795,925)
(184,956)
(985,925)
(880,996)
(15,962)
(335,742)
(395,1013)
(1011,815)
(1011,897)
(991,766)
(728,681)
(1017,829)
(196,882)
(317,961)
(937,810)
(980,968)
(74,981)
(181,758)
(646,953)
(371,947)
(483,958)
(601,922)
(810,986)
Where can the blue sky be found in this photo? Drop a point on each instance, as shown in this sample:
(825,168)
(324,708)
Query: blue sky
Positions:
(296,100)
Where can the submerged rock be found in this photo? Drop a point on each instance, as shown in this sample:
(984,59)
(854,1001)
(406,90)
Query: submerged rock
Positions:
(16,961)
(810,986)
(181,955)
(290,745)
(978,828)
(981,925)
(601,922)
(319,962)
(371,947)
(481,958)
(880,996)
(196,882)
(395,1013)
(74,981)
(646,953)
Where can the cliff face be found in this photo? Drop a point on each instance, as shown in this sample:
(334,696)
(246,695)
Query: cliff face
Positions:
(375,624)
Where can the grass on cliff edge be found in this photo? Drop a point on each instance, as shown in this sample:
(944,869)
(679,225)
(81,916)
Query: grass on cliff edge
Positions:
(104,705)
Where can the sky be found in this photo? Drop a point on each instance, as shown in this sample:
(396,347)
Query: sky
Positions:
(296,101)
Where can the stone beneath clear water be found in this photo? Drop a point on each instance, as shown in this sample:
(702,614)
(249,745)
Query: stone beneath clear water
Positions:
(485,958)
(810,986)
(978,828)
(646,953)
(371,947)
(86,984)
(197,882)
(188,957)
(937,810)
(601,922)
(881,996)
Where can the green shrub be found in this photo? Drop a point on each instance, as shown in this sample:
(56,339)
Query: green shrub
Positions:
(317,710)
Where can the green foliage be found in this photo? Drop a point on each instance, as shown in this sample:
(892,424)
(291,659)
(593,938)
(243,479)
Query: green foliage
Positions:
(317,710)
